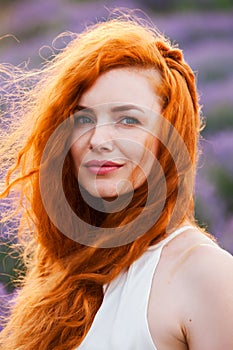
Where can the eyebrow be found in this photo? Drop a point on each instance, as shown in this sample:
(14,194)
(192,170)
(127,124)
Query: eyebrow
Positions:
(126,108)
(80,108)
(114,109)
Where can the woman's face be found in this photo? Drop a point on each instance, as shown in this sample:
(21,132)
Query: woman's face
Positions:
(113,145)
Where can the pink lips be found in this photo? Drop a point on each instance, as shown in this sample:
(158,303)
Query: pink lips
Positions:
(102,167)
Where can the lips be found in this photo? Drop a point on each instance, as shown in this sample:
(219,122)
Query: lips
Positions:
(102,167)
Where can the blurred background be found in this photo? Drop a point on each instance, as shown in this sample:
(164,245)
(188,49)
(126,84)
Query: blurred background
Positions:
(204,31)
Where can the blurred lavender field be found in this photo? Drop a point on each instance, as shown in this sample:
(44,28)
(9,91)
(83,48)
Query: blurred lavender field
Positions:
(5,301)
(206,36)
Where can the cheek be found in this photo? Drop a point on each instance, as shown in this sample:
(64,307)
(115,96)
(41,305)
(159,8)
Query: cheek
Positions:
(131,152)
(77,153)
(79,146)
(146,156)
(140,148)
(154,146)
(74,153)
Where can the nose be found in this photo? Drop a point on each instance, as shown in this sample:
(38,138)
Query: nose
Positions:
(101,139)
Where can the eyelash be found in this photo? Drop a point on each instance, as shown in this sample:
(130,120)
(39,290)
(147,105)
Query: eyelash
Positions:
(87,119)
(135,121)
(82,120)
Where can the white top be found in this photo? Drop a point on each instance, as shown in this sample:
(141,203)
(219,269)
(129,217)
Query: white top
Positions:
(121,321)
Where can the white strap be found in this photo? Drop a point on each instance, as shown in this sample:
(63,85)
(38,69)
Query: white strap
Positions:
(171,236)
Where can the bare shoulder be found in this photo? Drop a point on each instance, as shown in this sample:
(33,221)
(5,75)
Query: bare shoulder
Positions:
(203,263)
(199,255)
(206,276)
(192,295)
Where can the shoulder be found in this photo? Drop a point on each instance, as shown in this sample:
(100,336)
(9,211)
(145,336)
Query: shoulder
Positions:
(199,255)
(192,250)
(206,277)
(206,274)
(199,264)
(204,264)
(194,280)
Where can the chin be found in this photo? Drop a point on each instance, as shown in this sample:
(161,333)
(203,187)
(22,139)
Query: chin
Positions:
(108,195)
(102,192)
(107,190)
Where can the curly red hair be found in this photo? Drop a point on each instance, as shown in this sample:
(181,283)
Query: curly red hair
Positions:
(63,286)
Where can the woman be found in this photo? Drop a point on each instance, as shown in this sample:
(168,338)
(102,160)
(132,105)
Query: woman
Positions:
(114,257)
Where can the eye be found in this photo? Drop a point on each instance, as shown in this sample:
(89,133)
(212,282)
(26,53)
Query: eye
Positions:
(83,120)
(129,121)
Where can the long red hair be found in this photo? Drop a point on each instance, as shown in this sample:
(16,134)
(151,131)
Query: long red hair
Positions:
(62,289)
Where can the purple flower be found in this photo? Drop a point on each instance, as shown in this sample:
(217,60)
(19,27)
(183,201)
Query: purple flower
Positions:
(4,304)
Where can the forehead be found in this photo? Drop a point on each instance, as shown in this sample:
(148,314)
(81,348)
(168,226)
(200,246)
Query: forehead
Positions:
(124,85)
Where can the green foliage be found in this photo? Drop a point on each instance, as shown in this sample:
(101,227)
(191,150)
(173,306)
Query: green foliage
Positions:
(184,5)
(224,185)
(175,5)
(202,216)
(7,2)
(87,1)
(212,71)
(219,119)
(10,263)
(203,4)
